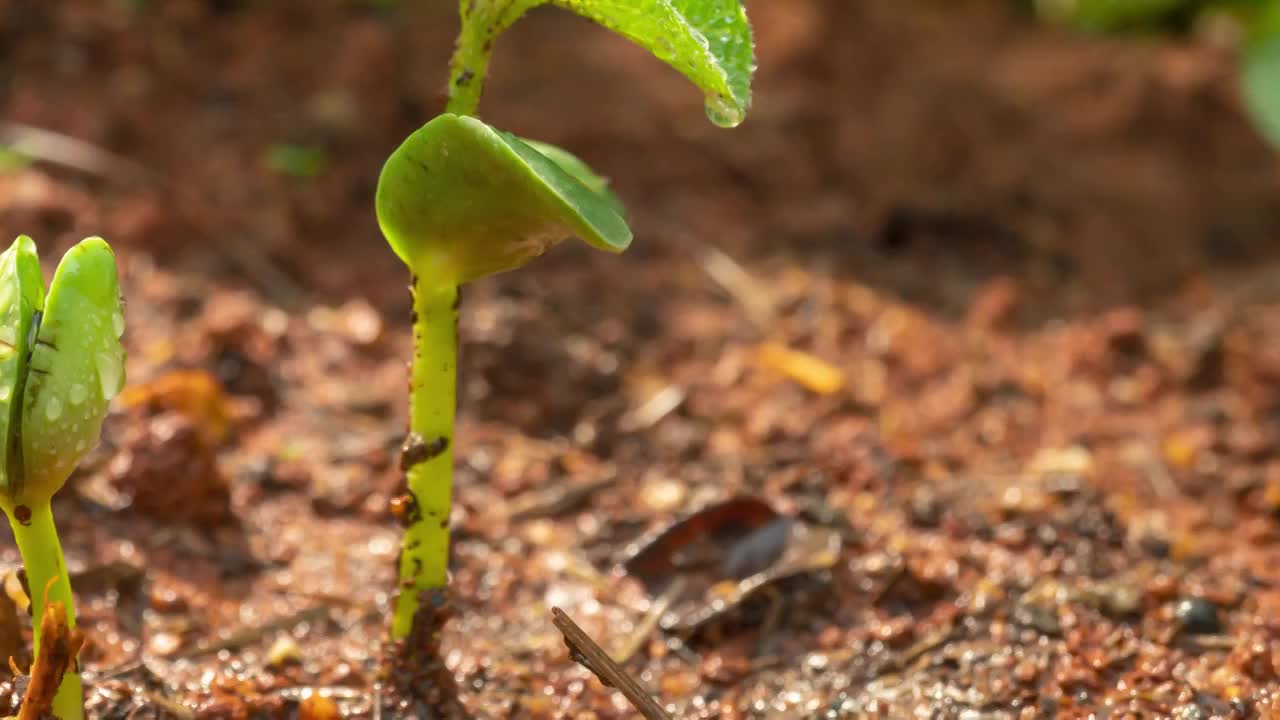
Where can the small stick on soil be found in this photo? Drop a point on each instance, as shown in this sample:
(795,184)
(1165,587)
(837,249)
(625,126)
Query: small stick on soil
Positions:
(584,651)
(54,147)
(253,634)
(744,288)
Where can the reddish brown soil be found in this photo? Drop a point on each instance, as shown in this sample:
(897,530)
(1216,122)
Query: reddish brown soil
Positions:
(1046,266)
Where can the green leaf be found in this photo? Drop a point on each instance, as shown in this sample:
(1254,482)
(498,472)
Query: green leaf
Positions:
(580,171)
(21,298)
(76,368)
(459,200)
(1260,83)
(709,41)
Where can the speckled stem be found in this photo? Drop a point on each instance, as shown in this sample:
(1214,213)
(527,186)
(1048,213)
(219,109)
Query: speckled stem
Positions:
(482,22)
(428,455)
(42,556)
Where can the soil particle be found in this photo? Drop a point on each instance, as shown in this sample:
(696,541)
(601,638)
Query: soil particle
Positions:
(165,469)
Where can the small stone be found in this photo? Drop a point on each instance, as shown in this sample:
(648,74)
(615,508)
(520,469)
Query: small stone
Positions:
(1197,616)
(663,495)
(284,651)
(318,707)
(164,643)
(1040,617)
(1189,712)
(1117,600)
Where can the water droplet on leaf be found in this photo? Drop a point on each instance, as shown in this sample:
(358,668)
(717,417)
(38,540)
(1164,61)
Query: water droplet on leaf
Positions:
(117,322)
(724,111)
(52,407)
(77,393)
(110,374)
(5,392)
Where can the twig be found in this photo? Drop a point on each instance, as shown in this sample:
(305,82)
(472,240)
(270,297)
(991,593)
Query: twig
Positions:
(642,632)
(749,292)
(248,635)
(55,147)
(558,500)
(651,411)
(584,651)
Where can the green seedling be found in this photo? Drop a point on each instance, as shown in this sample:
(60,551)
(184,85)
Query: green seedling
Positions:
(61,362)
(460,200)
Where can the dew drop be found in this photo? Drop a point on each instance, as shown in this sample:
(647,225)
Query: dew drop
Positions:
(110,374)
(77,393)
(724,111)
(117,322)
(5,392)
(52,407)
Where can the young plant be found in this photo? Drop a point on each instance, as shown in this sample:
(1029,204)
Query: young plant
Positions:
(459,200)
(61,362)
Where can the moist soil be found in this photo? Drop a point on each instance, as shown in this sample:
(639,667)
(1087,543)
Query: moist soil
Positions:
(993,307)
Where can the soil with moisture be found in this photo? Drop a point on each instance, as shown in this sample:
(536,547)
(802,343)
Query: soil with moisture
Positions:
(989,310)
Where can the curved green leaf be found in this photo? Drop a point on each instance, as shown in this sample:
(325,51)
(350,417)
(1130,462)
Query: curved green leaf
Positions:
(459,200)
(76,367)
(21,298)
(709,41)
(580,171)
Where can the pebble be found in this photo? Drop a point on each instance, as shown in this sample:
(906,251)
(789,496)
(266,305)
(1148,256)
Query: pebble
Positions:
(318,707)
(1197,615)
(1189,712)
(283,651)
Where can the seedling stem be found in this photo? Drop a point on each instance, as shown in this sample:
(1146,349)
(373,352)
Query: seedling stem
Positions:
(424,561)
(42,555)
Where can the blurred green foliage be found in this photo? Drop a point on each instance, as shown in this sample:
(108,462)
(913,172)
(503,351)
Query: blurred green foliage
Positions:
(300,161)
(12,161)
(1257,20)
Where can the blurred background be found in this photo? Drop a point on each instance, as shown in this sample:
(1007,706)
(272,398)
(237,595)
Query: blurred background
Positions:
(983,288)
(969,137)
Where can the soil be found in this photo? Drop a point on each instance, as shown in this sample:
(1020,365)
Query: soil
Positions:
(993,305)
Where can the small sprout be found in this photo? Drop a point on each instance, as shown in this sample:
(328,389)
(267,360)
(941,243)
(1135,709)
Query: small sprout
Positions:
(460,200)
(61,363)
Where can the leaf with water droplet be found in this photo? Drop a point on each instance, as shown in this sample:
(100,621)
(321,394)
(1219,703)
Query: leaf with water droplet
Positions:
(709,41)
(21,300)
(76,367)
